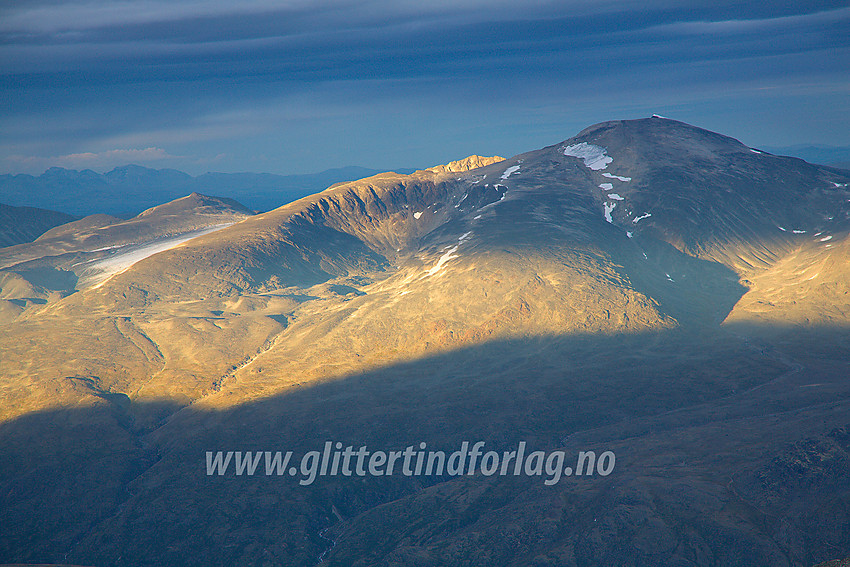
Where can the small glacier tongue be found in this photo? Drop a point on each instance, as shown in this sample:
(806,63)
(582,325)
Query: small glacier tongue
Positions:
(594,157)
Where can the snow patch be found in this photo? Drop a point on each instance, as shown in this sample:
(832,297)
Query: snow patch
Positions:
(510,171)
(629,234)
(594,157)
(476,217)
(643,216)
(614,196)
(108,248)
(417,214)
(609,208)
(669,279)
(659,116)
(606,186)
(612,176)
(450,254)
(755,151)
(464,236)
(122,261)
(799,231)
(780,228)
(825,238)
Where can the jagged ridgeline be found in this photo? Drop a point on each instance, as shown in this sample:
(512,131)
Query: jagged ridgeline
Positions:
(645,287)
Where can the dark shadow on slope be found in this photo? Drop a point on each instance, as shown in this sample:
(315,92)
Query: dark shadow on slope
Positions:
(691,290)
(704,425)
(49,278)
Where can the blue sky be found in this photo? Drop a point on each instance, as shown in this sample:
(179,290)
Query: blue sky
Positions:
(304,85)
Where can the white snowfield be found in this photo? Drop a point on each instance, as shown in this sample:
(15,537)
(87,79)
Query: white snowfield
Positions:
(618,177)
(643,216)
(510,171)
(100,271)
(450,254)
(609,208)
(108,248)
(614,196)
(594,157)
(606,186)
(417,214)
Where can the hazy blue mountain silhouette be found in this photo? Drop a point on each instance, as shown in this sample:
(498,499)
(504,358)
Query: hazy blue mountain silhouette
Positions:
(126,191)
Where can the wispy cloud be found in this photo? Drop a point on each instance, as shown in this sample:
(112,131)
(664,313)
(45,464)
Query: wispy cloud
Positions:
(203,78)
(758,25)
(52,17)
(44,17)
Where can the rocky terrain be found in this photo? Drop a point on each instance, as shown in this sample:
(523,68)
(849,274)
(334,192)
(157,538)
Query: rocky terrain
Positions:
(645,287)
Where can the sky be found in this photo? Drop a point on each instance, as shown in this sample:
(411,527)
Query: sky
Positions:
(299,86)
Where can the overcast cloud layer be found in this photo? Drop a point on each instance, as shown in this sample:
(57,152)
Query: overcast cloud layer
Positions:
(304,85)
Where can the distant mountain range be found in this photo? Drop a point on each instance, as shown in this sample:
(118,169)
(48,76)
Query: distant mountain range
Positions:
(125,191)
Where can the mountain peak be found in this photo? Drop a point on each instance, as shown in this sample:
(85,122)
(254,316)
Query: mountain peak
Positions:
(671,134)
(465,164)
(197,202)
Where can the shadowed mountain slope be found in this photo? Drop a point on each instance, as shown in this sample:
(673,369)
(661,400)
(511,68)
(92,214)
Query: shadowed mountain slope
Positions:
(725,456)
(25,224)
